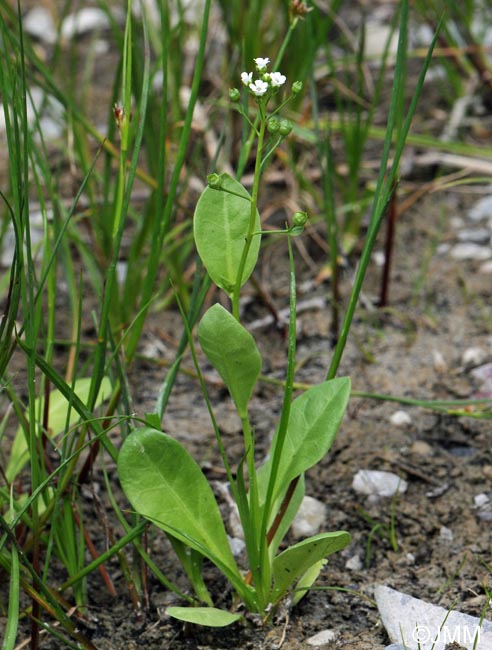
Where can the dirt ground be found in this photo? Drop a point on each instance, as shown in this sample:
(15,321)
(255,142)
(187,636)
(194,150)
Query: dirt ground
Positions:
(439,308)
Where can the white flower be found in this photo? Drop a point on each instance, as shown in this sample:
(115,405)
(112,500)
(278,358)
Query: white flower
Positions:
(261,64)
(277,79)
(246,78)
(259,87)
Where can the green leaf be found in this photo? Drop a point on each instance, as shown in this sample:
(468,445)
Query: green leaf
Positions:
(221,224)
(232,351)
(57,420)
(307,580)
(313,424)
(210,616)
(295,561)
(165,484)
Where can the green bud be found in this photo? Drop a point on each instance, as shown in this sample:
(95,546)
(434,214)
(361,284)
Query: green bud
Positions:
(273,125)
(214,181)
(285,128)
(297,87)
(234,95)
(299,219)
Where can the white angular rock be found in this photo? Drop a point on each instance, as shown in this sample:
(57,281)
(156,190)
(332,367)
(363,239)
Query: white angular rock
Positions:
(423,626)
(400,418)
(309,519)
(378,483)
(446,534)
(354,563)
(322,638)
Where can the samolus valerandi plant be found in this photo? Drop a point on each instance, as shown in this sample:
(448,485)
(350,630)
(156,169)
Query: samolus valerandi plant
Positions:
(158,475)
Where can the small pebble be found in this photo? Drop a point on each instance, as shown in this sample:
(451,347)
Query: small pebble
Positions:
(354,563)
(482,209)
(446,534)
(322,638)
(400,418)
(473,356)
(237,545)
(486,267)
(84,21)
(309,519)
(39,24)
(477,236)
(378,483)
(421,448)
(439,362)
(470,251)
(480,500)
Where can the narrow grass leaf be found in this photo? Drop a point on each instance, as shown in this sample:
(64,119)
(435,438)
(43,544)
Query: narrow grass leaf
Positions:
(60,414)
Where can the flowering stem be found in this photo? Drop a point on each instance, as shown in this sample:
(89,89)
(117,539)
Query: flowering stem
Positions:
(252,218)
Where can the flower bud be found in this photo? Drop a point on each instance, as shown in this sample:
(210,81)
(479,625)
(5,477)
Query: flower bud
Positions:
(273,125)
(119,116)
(214,181)
(297,87)
(299,219)
(285,128)
(234,95)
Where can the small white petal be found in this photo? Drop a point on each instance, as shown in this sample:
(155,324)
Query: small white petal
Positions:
(277,79)
(261,63)
(259,87)
(246,78)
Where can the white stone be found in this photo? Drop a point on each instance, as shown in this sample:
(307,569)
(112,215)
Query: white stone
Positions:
(477,235)
(400,418)
(354,563)
(84,21)
(322,638)
(473,356)
(378,483)
(480,500)
(38,23)
(309,519)
(486,267)
(423,626)
(439,361)
(469,251)
(446,534)
(482,209)
(237,545)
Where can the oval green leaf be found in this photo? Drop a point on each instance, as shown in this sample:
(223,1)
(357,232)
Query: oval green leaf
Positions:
(232,351)
(220,225)
(313,424)
(165,484)
(209,616)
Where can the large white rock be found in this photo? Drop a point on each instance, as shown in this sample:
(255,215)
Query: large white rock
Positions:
(422,626)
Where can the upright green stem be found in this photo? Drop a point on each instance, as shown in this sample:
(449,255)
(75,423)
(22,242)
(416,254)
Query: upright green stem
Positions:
(252,218)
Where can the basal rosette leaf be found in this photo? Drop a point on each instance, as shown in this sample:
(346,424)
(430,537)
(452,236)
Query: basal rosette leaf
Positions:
(315,417)
(293,563)
(163,483)
(220,226)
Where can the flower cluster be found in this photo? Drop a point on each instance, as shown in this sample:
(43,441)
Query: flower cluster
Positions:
(267,81)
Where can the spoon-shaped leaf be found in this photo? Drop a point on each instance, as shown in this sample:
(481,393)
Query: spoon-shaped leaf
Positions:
(232,351)
(220,225)
(165,484)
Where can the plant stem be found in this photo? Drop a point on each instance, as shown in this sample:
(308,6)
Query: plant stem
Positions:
(252,218)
